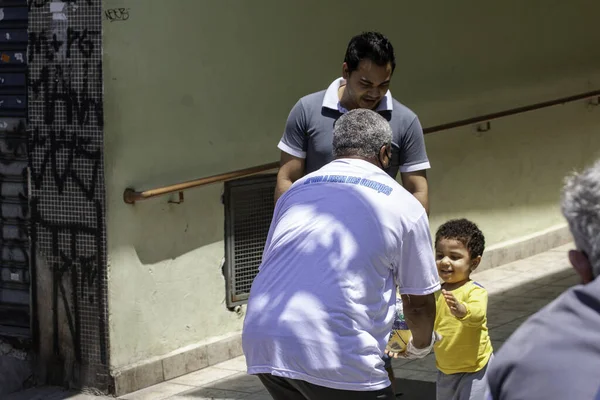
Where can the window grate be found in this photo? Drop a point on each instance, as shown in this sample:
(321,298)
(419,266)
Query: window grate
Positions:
(249,205)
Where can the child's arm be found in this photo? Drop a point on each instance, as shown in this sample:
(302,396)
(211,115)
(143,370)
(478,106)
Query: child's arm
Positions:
(472,311)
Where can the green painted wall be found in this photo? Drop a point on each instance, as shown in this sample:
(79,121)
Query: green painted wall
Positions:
(199,87)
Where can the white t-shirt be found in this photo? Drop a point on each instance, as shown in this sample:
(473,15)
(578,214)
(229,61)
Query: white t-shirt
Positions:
(322,305)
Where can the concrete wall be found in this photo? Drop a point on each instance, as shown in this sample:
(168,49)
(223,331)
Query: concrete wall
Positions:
(199,87)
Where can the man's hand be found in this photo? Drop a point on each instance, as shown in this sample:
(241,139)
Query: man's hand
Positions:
(457,308)
(413,353)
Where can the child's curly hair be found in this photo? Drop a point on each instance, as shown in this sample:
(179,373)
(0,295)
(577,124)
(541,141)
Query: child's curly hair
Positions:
(465,232)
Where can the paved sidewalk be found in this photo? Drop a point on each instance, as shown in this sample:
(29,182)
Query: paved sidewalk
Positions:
(516,290)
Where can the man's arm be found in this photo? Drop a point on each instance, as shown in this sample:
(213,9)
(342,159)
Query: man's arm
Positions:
(290,170)
(414,163)
(419,313)
(293,146)
(417,278)
(416,183)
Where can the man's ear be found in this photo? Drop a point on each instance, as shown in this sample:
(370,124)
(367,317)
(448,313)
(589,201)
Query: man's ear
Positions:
(384,153)
(345,71)
(581,265)
(475,263)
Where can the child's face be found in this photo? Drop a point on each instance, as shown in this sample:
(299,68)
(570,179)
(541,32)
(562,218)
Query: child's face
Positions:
(453,261)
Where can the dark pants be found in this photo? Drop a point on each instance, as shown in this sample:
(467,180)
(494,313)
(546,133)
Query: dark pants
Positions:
(293,389)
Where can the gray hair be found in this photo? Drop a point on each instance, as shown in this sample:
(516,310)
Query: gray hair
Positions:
(360,133)
(581,208)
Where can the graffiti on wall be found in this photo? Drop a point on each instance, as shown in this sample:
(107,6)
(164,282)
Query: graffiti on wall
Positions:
(117,14)
(66,174)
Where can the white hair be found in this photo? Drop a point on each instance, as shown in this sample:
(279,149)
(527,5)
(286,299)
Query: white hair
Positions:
(581,208)
(360,133)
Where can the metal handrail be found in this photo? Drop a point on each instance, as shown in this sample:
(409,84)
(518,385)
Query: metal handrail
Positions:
(512,111)
(130,196)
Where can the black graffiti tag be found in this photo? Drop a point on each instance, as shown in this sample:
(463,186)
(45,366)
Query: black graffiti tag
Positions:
(117,14)
(48,44)
(42,3)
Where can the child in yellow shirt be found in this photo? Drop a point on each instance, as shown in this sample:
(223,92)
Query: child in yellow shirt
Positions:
(463,354)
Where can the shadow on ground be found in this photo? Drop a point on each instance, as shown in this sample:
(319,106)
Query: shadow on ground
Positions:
(408,389)
(52,393)
(249,388)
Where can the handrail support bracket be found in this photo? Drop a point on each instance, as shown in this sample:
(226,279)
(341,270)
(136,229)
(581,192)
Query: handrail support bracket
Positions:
(179,199)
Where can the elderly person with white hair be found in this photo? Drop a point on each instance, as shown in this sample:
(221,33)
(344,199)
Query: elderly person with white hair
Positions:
(555,354)
(321,308)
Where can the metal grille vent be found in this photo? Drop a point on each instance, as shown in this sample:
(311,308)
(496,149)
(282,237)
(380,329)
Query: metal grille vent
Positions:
(248,213)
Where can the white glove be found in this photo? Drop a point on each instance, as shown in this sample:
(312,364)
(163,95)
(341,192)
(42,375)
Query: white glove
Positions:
(412,353)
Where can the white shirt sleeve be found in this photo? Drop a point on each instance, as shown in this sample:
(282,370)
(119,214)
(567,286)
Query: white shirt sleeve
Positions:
(294,140)
(415,270)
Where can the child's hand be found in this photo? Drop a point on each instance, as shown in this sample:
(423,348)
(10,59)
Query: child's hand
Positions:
(456,308)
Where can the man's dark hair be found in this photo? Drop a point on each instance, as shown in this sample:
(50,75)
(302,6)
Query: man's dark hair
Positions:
(465,232)
(370,46)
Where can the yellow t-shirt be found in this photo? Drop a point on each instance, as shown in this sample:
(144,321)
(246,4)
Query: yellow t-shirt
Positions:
(465,344)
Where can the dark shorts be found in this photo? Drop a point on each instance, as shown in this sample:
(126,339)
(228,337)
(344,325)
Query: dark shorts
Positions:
(294,389)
